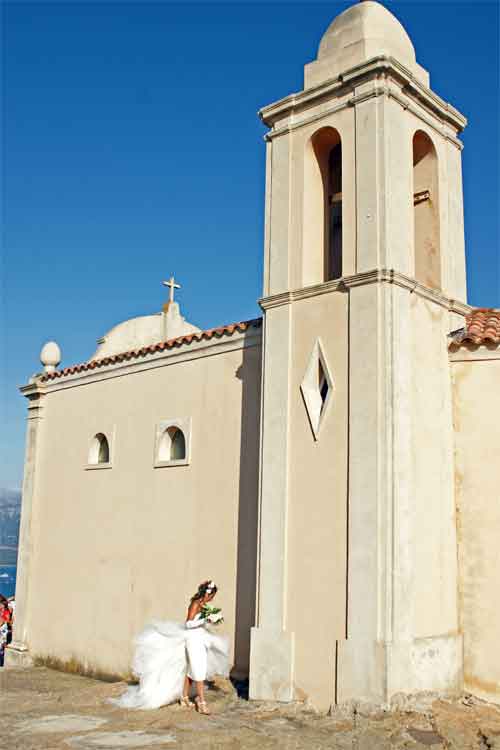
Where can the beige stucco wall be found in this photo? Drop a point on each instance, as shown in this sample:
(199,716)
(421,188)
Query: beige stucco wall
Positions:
(476,378)
(317,531)
(116,547)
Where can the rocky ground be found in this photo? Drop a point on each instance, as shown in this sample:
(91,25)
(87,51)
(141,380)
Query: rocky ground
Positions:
(41,709)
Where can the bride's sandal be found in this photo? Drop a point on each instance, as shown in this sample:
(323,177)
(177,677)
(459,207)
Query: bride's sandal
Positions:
(202,708)
(185,702)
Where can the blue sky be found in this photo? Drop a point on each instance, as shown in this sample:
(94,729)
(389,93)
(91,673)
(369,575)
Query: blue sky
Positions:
(132,149)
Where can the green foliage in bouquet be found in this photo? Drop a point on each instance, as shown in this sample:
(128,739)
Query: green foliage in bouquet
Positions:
(208,610)
(212,614)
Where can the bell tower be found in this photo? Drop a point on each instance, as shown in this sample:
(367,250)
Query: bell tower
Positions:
(364,277)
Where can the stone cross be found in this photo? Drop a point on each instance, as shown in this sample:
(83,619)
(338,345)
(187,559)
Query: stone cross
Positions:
(172,285)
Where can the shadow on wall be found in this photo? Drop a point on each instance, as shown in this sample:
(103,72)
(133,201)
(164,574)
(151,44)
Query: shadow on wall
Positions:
(246,566)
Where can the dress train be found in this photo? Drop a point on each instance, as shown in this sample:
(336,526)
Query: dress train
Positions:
(165,652)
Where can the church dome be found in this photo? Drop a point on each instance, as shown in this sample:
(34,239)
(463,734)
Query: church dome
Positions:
(362,32)
(370,25)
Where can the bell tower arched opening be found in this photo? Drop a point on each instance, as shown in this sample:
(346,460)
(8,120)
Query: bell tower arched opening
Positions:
(426,211)
(333,252)
(323,207)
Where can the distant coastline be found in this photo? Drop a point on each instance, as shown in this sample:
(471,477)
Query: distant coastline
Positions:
(8,556)
(10,516)
(8,575)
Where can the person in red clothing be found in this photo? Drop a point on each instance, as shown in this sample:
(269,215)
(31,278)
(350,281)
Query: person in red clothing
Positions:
(5,610)
(5,626)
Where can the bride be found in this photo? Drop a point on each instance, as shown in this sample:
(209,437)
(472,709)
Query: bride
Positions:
(170,656)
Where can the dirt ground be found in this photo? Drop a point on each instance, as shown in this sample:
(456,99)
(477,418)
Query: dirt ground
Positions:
(41,709)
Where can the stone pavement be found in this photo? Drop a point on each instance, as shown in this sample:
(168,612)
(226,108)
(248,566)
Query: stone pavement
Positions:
(41,709)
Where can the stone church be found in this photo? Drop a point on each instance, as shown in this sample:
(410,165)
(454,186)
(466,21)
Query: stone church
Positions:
(333,465)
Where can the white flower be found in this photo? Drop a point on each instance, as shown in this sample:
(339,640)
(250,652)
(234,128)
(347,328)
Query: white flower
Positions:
(215,618)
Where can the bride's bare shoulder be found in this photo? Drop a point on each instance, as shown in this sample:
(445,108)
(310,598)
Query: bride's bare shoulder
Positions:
(193,610)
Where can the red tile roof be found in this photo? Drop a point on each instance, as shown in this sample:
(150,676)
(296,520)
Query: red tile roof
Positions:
(482,326)
(95,364)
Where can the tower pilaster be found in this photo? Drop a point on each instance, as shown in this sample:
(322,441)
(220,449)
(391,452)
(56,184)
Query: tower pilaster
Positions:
(18,653)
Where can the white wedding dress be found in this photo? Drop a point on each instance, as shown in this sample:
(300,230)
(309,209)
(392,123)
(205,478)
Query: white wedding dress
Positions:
(165,652)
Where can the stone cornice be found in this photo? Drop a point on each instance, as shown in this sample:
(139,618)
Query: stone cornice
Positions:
(377,276)
(195,350)
(412,89)
(286,298)
(474,352)
(34,389)
(34,392)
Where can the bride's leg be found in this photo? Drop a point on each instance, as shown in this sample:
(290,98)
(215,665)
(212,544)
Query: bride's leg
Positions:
(185,700)
(200,698)
(200,690)
(197,654)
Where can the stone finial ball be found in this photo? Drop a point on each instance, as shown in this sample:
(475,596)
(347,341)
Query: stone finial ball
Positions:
(50,356)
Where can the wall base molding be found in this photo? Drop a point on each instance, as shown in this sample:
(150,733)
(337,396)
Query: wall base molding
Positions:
(17,655)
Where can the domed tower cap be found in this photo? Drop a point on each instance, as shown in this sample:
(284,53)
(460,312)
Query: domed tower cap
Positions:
(50,356)
(362,32)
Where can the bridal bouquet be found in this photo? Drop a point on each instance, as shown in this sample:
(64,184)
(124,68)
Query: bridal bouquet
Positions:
(212,615)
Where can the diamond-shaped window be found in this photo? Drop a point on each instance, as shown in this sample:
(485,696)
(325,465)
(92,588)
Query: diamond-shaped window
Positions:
(317,388)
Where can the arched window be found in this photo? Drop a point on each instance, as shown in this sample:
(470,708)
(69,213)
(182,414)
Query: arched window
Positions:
(99,450)
(178,444)
(172,445)
(323,214)
(173,442)
(426,211)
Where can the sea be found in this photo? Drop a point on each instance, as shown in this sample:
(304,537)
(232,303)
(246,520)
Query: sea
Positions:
(8,580)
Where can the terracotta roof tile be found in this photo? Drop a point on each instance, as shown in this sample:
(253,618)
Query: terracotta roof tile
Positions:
(211,333)
(482,326)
